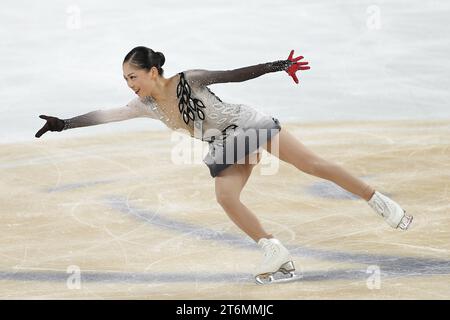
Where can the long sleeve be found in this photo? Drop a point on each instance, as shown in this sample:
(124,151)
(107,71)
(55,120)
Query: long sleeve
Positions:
(134,109)
(206,77)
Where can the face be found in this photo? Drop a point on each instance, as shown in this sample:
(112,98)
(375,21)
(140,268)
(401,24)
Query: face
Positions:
(140,81)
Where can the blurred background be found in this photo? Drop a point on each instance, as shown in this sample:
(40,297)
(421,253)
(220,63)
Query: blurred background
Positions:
(370,60)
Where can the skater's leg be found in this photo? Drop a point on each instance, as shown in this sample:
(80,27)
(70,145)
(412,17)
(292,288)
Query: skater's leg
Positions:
(228,185)
(286,147)
(289,149)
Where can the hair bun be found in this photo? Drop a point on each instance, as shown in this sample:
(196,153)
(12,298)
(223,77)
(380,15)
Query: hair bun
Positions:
(162,59)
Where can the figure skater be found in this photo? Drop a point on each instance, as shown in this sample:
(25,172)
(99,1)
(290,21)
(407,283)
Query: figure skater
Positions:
(235,134)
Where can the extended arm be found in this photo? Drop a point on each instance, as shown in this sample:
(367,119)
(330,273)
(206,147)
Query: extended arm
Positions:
(134,109)
(101,116)
(291,65)
(205,77)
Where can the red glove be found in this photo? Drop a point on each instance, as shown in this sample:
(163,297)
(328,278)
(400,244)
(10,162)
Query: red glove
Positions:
(295,66)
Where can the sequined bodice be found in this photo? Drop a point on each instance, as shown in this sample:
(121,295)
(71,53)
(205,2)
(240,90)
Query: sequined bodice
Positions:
(204,115)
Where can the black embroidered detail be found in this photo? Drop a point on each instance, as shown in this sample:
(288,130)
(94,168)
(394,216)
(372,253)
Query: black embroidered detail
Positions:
(224,133)
(213,94)
(188,106)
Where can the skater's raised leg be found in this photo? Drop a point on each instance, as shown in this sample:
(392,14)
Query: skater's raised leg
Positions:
(289,149)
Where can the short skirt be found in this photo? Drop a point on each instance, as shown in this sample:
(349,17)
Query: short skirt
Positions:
(242,141)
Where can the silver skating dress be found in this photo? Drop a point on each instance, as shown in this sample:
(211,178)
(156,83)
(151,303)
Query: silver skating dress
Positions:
(231,130)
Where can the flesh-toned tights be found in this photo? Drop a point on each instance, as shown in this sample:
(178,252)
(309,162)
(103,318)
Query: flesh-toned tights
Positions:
(230,182)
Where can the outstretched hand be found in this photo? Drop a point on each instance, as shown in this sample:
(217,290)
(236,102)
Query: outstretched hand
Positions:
(52,124)
(296,65)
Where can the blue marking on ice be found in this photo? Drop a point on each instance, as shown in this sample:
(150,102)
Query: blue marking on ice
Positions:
(329,190)
(78,185)
(393,265)
(390,266)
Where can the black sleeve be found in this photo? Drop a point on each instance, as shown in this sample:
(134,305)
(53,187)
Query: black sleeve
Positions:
(206,77)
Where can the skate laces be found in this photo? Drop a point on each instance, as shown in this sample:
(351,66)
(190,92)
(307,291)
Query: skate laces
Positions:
(382,206)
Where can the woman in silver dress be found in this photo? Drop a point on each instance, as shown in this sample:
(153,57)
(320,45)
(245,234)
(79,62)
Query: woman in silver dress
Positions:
(235,134)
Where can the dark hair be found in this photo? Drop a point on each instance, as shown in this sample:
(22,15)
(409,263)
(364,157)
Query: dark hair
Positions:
(145,58)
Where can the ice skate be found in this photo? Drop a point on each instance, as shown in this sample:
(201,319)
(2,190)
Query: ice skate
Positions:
(277,265)
(391,211)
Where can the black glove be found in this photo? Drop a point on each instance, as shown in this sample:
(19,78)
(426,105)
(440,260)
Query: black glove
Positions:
(52,124)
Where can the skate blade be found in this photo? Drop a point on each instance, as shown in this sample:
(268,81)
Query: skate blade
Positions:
(405,222)
(292,277)
(286,273)
(287,267)
(278,277)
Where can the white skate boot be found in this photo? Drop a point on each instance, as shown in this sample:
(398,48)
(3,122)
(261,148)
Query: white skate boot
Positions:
(276,260)
(394,215)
